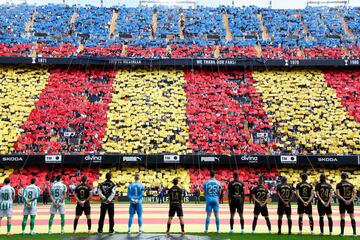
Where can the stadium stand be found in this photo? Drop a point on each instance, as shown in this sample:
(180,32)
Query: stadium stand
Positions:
(151,178)
(307,115)
(313,32)
(70,175)
(20,88)
(147,113)
(347,86)
(70,115)
(224,113)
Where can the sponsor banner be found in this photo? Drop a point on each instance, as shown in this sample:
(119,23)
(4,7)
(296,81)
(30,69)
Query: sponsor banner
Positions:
(69,134)
(93,158)
(327,159)
(249,159)
(171,159)
(288,159)
(210,159)
(12,159)
(131,159)
(53,158)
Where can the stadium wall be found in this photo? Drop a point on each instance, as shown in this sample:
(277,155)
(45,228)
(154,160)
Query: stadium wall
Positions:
(182,62)
(192,160)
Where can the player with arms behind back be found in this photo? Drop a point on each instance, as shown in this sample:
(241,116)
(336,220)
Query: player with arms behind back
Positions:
(324,193)
(305,194)
(285,193)
(7,196)
(31,194)
(236,201)
(135,195)
(58,193)
(175,195)
(261,198)
(346,193)
(212,189)
(82,195)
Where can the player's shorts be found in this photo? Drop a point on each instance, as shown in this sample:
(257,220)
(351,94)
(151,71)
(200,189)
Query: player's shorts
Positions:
(6,212)
(86,209)
(236,205)
(263,210)
(32,211)
(283,210)
(346,208)
(135,208)
(212,205)
(323,210)
(302,209)
(176,208)
(60,210)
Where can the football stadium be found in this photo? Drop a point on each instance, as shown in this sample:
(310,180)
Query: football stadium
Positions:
(179,119)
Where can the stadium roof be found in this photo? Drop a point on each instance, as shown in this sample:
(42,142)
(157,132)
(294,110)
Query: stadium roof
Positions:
(132,3)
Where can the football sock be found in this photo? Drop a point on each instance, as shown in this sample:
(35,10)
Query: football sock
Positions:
(353,225)
(342,225)
(23,225)
(231,224)
(76,220)
(32,222)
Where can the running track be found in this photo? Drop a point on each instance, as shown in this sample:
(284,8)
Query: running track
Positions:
(155,218)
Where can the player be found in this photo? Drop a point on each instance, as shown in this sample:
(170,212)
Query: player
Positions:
(346,194)
(175,195)
(30,194)
(285,193)
(83,195)
(135,195)
(107,191)
(58,194)
(236,201)
(6,203)
(212,189)
(305,194)
(261,197)
(324,193)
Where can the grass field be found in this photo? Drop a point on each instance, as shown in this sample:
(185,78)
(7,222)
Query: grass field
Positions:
(212,235)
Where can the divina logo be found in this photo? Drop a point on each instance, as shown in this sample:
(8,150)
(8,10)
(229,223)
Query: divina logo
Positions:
(327,159)
(93,158)
(249,158)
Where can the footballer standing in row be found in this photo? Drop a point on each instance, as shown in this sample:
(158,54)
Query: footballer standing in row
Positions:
(30,195)
(346,193)
(175,205)
(236,201)
(285,193)
(324,193)
(58,194)
(305,195)
(7,196)
(135,195)
(82,195)
(261,198)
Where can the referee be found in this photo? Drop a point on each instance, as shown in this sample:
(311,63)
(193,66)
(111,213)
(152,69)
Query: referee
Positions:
(107,192)
(82,196)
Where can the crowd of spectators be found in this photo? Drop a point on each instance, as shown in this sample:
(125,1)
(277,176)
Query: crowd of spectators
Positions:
(62,31)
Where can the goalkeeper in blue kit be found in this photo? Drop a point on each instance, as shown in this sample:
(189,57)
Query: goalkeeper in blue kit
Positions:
(135,195)
(212,189)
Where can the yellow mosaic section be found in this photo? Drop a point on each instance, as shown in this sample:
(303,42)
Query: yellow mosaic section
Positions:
(306,112)
(19,89)
(147,113)
(149,177)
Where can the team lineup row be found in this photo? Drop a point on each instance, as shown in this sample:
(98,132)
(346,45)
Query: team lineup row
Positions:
(304,192)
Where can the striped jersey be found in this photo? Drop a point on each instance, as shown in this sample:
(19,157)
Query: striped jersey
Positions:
(6,197)
(31,192)
(58,189)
